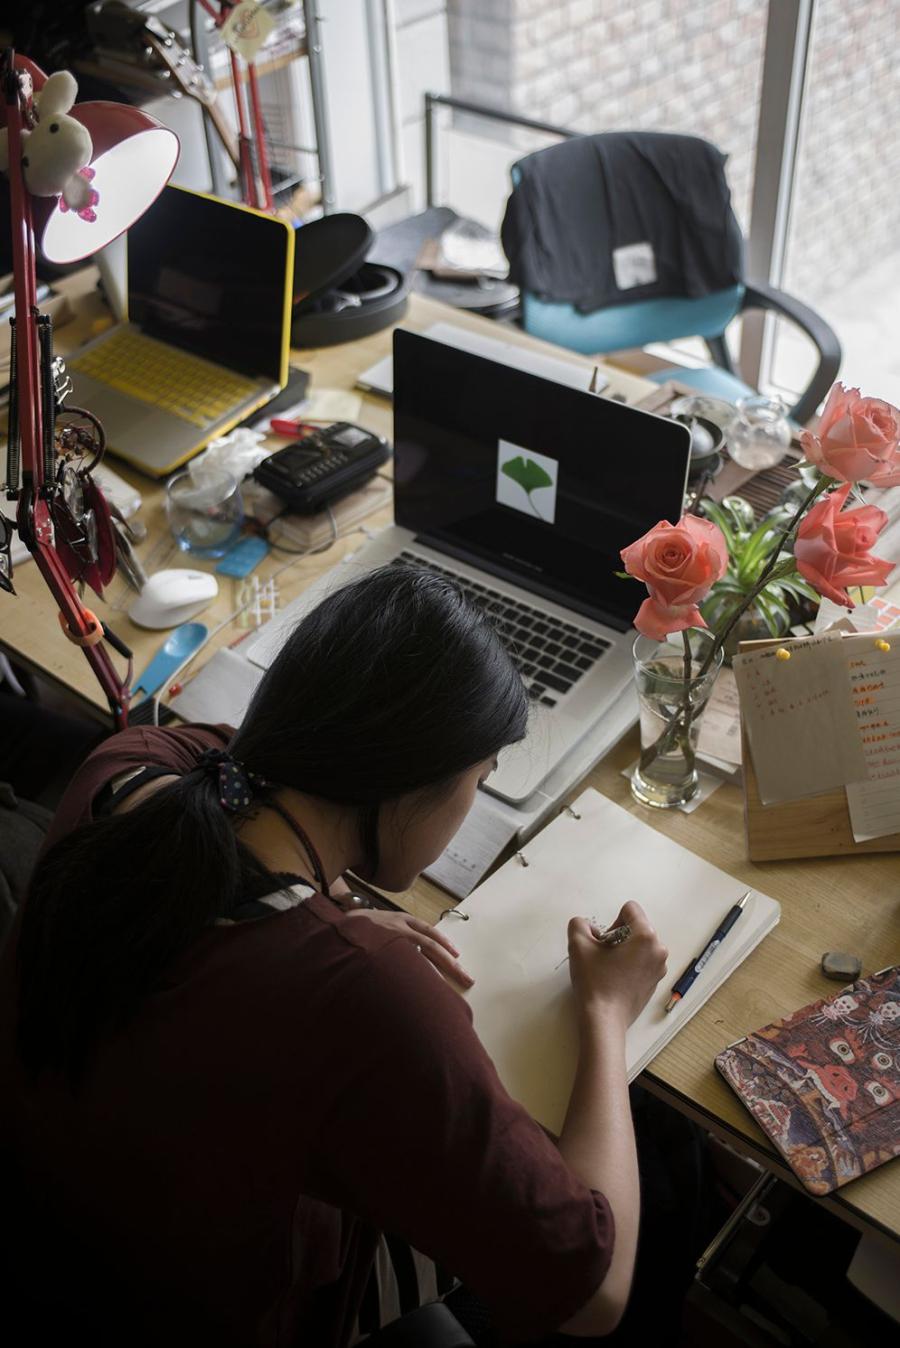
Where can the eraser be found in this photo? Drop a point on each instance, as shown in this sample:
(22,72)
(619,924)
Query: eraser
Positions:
(841,966)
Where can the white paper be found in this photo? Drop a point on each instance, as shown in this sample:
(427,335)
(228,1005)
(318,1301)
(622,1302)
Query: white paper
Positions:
(800,719)
(486,830)
(331,404)
(875,688)
(878,615)
(720,726)
(467,859)
(514,944)
(634,264)
(221,691)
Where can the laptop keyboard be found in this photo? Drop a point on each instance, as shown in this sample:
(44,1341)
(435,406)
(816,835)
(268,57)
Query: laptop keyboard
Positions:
(550,655)
(188,386)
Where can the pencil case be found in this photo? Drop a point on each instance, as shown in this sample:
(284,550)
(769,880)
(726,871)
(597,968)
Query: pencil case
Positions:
(824,1083)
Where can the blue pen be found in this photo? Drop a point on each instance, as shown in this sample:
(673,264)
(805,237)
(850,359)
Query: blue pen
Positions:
(686,980)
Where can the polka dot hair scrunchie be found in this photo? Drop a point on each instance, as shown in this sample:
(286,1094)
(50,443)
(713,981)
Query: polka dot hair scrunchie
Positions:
(236,783)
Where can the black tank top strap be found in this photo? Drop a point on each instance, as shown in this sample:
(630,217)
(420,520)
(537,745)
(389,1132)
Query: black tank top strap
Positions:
(300,832)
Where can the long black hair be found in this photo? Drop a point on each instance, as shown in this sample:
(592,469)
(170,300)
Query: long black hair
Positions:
(391,685)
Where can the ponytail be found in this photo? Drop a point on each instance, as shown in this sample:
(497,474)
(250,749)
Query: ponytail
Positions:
(394,684)
(111,905)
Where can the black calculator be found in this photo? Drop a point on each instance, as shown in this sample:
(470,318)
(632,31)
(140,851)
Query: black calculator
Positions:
(322,467)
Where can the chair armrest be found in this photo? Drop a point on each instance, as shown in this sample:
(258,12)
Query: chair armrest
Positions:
(761,295)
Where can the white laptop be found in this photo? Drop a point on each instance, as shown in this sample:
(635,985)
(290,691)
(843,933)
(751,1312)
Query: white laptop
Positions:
(524,491)
(379,378)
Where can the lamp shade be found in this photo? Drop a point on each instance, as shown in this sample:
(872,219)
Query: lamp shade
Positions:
(133,159)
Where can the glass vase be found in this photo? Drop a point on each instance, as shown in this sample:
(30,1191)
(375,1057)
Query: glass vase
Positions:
(671,698)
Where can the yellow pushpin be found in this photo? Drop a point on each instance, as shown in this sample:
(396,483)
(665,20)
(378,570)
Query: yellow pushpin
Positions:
(782,654)
(883,645)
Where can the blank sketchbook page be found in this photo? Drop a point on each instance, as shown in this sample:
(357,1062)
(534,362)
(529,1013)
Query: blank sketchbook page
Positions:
(514,943)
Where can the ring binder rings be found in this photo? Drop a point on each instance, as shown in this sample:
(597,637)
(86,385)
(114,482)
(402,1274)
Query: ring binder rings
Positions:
(591,859)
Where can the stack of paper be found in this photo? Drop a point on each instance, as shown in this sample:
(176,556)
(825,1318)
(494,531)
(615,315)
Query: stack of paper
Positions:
(828,717)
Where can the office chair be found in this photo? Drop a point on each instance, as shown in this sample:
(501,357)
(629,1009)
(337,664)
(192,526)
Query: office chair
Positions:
(625,238)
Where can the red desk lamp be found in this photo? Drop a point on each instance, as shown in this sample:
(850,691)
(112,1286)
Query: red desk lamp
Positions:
(118,162)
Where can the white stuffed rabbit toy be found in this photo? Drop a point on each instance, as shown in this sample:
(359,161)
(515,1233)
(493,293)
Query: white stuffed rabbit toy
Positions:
(58,150)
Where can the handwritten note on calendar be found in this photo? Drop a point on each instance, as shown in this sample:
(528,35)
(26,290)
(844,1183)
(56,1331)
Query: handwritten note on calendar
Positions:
(875,689)
(800,719)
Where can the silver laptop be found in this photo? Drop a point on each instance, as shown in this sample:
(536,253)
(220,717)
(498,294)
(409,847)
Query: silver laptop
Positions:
(208,331)
(379,378)
(524,491)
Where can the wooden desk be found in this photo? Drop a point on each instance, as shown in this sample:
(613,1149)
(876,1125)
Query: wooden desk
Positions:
(847,903)
(832,903)
(29,630)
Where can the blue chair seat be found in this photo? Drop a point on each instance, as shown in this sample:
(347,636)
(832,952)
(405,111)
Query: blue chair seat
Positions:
(624,325)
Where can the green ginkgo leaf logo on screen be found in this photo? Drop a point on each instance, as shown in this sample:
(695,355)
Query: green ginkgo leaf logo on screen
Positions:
(529,475)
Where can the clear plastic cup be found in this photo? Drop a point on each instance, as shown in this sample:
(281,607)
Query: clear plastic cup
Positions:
(205,511)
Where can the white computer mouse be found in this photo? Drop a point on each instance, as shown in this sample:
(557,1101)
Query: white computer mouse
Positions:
(172,597)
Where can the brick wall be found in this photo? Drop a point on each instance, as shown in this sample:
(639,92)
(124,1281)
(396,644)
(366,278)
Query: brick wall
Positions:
(696,66)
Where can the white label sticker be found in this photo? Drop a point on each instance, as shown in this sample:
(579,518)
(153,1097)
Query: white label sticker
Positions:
(634,264)
(246,28)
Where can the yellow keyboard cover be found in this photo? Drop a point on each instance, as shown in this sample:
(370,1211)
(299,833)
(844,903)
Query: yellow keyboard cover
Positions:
(163,376)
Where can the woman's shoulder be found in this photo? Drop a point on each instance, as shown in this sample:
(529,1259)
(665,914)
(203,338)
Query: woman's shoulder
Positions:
(391,979)
(175,748)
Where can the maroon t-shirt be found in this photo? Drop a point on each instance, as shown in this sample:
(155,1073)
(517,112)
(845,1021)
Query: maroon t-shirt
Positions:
(301,1082)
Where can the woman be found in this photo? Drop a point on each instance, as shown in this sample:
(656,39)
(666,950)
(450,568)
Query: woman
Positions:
(224,1085)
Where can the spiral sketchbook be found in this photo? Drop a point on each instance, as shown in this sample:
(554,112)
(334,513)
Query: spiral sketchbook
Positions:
(511,935)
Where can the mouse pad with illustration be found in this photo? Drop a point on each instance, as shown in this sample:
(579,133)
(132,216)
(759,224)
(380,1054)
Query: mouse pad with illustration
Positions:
(824,1083)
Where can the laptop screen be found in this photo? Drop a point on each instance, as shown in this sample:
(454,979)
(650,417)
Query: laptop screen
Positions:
(536,482)
(214,279)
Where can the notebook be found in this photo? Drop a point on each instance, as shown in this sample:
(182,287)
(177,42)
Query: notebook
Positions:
(589,861)
(824,1083)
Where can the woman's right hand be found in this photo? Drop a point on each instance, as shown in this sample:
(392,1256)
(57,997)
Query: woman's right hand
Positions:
(616,979)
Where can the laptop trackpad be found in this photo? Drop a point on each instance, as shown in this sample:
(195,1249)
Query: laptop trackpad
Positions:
(135,428)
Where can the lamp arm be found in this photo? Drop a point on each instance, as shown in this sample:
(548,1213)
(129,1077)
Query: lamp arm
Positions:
(33,518)
(24,288)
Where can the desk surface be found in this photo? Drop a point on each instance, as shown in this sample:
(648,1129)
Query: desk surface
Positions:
(28,627)
(847,903)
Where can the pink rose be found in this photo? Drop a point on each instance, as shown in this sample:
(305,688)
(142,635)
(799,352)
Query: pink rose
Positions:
(679,563)
(856,440)
(832,547)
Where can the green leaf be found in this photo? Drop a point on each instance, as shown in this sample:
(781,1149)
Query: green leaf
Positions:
(713,511)
(775,615)
(527,473)
(741,514)
(795,585)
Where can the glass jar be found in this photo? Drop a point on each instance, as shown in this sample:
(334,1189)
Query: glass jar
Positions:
(759,434)
(205,510)
(671,699)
